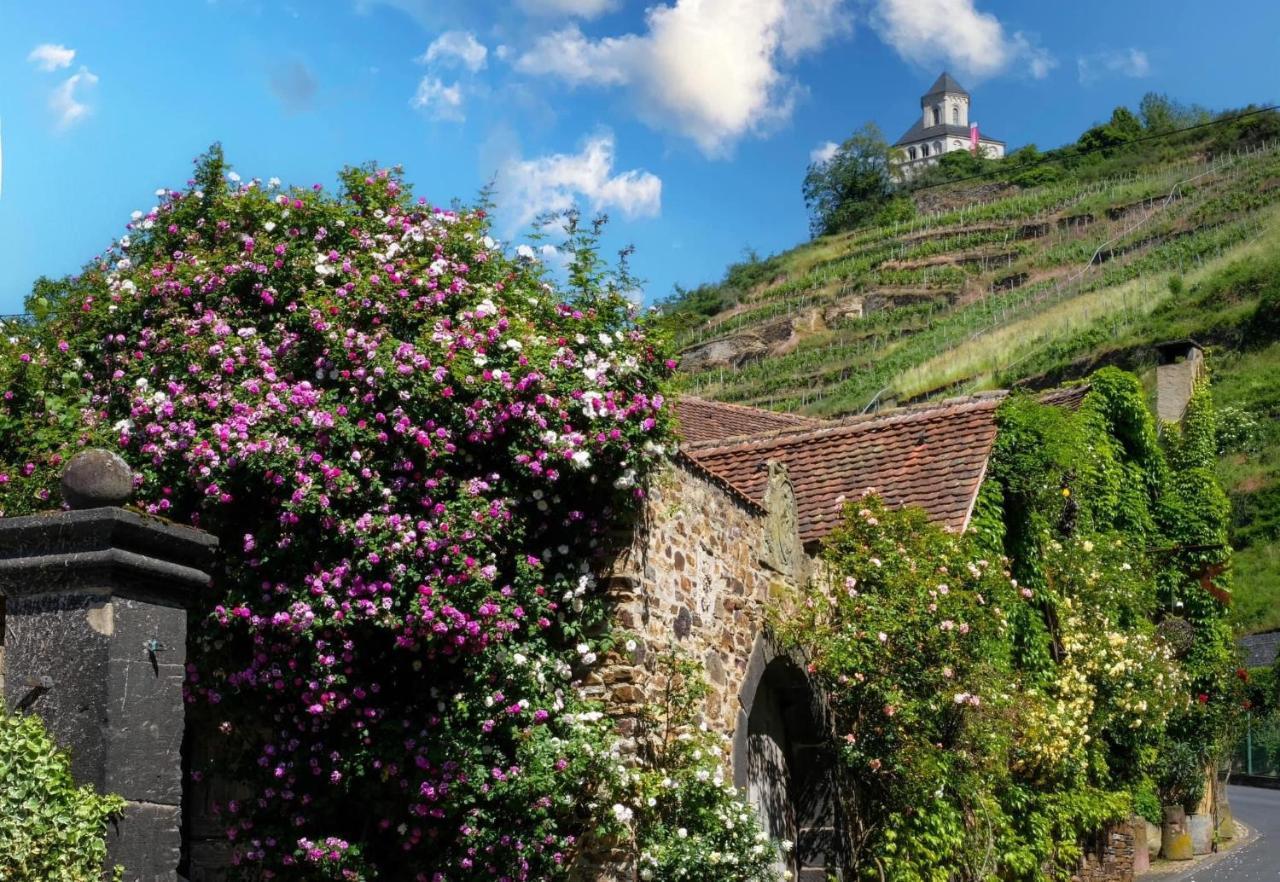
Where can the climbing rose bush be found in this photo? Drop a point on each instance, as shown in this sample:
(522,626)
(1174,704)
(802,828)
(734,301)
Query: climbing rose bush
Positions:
(408,442)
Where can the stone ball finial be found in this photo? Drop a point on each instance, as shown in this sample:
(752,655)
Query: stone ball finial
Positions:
(95,478)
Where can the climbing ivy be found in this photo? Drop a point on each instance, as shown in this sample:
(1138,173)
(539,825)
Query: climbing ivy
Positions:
(51,829)
(996,697)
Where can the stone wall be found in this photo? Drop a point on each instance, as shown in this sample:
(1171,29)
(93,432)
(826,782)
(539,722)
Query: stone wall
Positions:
(693,577)
(1109,857)
(1175,384)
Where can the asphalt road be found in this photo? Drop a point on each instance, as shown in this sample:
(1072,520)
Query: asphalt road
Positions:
(1259,861)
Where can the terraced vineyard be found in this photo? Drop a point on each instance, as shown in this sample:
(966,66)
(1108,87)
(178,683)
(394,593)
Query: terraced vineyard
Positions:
(955,301)
(1034,287)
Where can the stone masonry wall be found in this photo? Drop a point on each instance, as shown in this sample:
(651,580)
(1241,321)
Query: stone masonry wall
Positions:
(692,578)
(1110,857)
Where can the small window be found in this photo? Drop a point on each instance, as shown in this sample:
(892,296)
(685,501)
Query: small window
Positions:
(937,114)
(911,152)
(924,149)
(937,146)
(955,116)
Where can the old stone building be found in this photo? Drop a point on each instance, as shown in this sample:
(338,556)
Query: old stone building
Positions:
(943,126)
(731,530)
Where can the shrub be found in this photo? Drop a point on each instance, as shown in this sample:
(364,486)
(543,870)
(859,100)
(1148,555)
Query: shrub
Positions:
(51,829)
(409,443)
(1181,775)
(1238,431)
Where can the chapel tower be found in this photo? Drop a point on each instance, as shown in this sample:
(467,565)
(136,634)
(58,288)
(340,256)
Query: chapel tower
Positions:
(942,127)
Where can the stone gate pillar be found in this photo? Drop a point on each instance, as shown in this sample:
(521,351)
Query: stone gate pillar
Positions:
(95,644)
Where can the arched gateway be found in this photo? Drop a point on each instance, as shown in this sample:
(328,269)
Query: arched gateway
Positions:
(785,765)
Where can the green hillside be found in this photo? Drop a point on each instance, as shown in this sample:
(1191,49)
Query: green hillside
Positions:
(1002,281)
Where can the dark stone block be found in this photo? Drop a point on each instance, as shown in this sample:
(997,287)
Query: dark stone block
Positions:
(146,842)
(144,739)
(683,623)
(56,666)
(126,553)
(96,645)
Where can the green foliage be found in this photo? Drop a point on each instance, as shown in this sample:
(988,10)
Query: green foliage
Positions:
(848,189)
(954,166)
(1147,802)
(1160,113)
(51,829)
(1181,775)
(984,727)
(1264,324)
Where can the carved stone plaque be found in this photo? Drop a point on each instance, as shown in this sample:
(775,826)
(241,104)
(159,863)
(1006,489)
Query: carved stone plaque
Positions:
(782,550)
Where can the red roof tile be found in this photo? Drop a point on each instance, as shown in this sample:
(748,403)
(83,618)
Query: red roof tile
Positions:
(934,457)
(702,420)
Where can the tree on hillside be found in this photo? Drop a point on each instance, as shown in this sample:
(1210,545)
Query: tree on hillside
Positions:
(1160,113)
(1125,122)
(851,186)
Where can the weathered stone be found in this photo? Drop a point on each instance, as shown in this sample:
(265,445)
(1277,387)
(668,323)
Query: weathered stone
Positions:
(152,857)
(1141,852)
(95,478)
(683,624)
(96,641)
(715,669)
(618,674)
(1200,826)
(1175,837)
(1154,834)
(627,694)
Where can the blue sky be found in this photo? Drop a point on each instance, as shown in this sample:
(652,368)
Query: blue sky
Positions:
(690,121)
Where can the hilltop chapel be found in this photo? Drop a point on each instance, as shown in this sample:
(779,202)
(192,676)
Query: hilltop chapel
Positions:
(942,127)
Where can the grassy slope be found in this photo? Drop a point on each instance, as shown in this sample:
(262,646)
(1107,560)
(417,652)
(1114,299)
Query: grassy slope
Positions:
(1203,280)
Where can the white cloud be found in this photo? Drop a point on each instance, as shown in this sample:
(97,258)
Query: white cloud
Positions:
(707,69)
(955,33)
(1039,60)
(1129,62)
(529,187)
(51,56)
(457,47)
(823,153)
(439,101)
(571,56)
(65,99)
(578,8)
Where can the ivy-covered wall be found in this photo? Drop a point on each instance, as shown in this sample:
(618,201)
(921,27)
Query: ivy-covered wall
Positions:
(1001,697)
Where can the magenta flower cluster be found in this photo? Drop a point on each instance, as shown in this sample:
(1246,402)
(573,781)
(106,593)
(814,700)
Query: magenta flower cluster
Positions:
(410,445)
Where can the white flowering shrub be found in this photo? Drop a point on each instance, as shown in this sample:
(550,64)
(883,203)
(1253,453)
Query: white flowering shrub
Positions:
(677,812)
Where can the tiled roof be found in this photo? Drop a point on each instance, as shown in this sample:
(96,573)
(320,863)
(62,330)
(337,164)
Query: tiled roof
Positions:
(933,455)
(1260,650)
(702,420)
